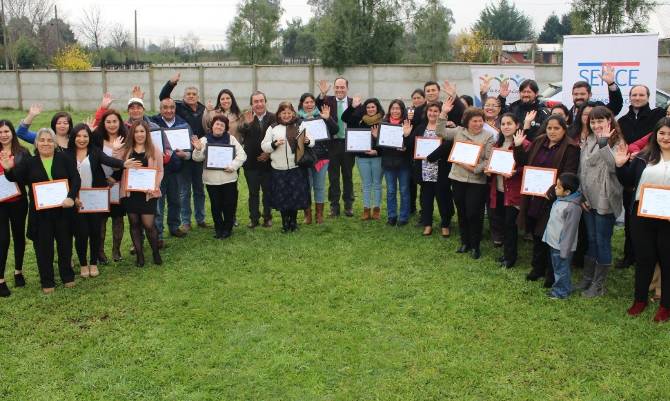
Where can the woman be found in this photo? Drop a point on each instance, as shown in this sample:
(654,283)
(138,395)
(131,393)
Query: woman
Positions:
(226,105)
(602,196)
(505,192)
(13,211)
(492,124)
(317,174)
(650,236)
(61,123)
(290,186)
(368,115)
(141,206)
(468,183)
(47,225)
(418,102)
(552,148)
(560,110)
(397,167)
(492,113)
(579,129)
(432,174)
(110,131)
(221,184)
(90,161)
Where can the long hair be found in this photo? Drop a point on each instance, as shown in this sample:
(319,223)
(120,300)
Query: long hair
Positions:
(375,101)
(403,110)
(57,116)
(557,118)
(101,131)
(149,149)
(304,97)
(576,127)
(234,108)
(602,112)
(501,137)
(15,144)
(71,146)
(437,104)
(652,152)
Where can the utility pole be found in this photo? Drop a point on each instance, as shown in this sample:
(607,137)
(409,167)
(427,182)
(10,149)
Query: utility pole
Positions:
(4,34)
(57,28)
(136,56)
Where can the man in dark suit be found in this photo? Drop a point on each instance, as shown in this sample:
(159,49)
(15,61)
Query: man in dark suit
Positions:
(257,170)
(340,161)
(581,93)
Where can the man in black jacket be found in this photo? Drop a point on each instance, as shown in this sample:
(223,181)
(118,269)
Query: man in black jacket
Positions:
(257,169)
(581,93)
(528,102)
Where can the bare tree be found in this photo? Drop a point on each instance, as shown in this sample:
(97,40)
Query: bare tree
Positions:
(191,44)
(93,28)
(119,37)
(38,12)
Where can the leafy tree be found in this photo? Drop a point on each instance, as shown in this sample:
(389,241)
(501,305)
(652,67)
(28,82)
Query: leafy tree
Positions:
(554,29)
(299,41)
(26,53)
(475,47)
(431,26)
(72,58)
(504,22)
(612,16)
(254,29)
(55,34)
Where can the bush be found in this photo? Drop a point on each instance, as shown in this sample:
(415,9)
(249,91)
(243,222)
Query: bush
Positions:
(72,58)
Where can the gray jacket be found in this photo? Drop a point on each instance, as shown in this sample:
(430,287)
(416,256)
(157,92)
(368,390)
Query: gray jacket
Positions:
(597,174)
(563,225)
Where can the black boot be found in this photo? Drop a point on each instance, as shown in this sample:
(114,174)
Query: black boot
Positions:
(285,222)
(294,220)
(4,290)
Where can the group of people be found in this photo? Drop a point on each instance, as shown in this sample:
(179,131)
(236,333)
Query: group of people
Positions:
(600,164)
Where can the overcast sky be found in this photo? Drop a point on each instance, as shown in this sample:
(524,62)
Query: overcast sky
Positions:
(208,19)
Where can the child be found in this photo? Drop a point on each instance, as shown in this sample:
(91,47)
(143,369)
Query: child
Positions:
(561,232)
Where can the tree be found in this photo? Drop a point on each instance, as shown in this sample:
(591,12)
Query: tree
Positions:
(119,37)
(612,16)
(431,25)
(72,58)
(254,29)
(26,53)
(554,29)
(93,28)
(191,45)
(504,22)
(37,12)
(298,41)
(55,34)
(475,47)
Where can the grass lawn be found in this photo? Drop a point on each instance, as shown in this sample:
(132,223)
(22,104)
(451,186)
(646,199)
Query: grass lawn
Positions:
(348,310)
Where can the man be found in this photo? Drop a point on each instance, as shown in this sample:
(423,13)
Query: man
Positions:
(341,162)
(191,110)
(528,102)
(432,91)
(170,186)
(581,93)
(257,169)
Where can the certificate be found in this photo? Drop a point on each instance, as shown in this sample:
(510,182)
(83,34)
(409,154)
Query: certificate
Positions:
(423,147)
(8,189)
(390,136)
(466,153)
(94,200)
(219,157)
(50,194)
(141,179)
(115,194)
(106,169)
(157,139)
(654,201)
(358,140)
(179,138)
(501,162)
(537,180)
(317,129)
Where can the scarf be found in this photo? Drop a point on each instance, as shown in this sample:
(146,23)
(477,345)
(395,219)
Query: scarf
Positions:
(308,116)
(395,121)
(218,140)
(372,120)
(292,134)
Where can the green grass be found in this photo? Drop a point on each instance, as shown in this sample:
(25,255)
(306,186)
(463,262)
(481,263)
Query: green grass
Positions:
(348,310)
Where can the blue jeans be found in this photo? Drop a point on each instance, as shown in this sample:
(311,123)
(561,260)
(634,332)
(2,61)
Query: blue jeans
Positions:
(370,169)
(599,229)
(169,190)
(562,281)
(317,181)
(394,178)
(191,175)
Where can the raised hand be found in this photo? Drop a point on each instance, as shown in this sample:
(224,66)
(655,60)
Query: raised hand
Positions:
(175,78)
(196,142)
(447,106)
(33,111)
(118,143)
(209,105)
(519,138)
(484,85)
(530,117)
(504,88)
(449,88)
(325,112)
(324,87)
(356,101)
(621,156)
(607,75)
(606,131)
(90,122)
(137,92)
(375,130)
(248,117)
(406,128)
(107,100)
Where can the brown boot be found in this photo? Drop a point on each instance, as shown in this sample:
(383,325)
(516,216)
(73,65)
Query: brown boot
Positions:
(366,214)
(375,213)
(319,213)
(308,216)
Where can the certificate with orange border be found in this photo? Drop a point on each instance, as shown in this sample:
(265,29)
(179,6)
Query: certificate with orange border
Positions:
(501,162)
(536,181)
(94,200)
(8,189)
(50,194)
(140,179)
(654,201)
(423,147)
(466,153)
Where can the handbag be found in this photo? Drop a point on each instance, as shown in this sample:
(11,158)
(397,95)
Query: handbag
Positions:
(304,156)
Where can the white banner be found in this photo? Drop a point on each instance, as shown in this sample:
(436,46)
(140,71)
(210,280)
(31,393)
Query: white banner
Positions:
(634,58)
(497,74)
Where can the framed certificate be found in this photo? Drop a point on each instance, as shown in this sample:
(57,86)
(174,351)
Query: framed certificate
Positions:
(115,194)
(654,201)
(390,136)
(179,138)
(423,147)
(8,189)
(219,157)
(317,129)
(501,162)
(358,140)
(50,194)
(94,200)
(157,139)
(466,153)
(142,179)
(536,181)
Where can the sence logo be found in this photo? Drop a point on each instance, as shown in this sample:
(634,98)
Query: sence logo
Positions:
(626,72)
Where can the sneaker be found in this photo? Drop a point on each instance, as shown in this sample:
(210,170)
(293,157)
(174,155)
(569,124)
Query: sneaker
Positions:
(179,233)
(202,224)
(185,228)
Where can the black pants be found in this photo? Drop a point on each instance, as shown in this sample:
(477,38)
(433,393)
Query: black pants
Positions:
(628,248)
(507,215)
(470,200)
(541,259)
(53,225)
(87,234)
(13,214)
(412,194)
(496,223)
(650,239)
(258,180)
(582,245)
(440,191)
(341,162)
(223,202)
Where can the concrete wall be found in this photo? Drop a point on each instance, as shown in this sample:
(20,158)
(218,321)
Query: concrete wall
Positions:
(83,90)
